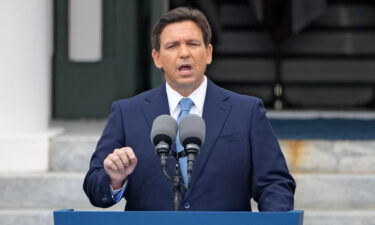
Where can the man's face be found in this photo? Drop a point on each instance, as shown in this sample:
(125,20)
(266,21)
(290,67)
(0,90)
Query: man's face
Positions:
(183,56)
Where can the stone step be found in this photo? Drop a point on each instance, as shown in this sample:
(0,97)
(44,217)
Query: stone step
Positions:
(330,156)
(64,190)
(26,217)
(45,217)
(339,217)
(364,217)
(44,190)
(73,152)
(335,191)
(39,216)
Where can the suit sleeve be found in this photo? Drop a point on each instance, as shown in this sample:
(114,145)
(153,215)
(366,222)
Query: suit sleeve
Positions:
(272,185)
(97,183)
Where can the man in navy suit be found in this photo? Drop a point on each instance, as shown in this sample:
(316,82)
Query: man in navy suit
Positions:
(240,159)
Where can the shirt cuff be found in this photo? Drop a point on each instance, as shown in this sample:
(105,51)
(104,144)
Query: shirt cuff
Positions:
(117,194)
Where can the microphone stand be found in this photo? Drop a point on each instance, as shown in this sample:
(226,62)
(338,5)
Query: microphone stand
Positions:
(176,181)
(176,188)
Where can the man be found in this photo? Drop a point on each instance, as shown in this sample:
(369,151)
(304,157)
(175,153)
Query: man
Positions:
(239,160)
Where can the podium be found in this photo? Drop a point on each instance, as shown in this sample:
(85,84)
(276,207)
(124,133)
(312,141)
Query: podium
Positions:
(71,217)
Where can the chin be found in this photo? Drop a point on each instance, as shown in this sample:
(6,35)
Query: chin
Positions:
(188,81)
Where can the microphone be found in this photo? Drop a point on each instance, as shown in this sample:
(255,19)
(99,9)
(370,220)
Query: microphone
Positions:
(192,129)
(163,133)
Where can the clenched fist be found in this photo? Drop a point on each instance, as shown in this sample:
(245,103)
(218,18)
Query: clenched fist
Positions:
(119,165)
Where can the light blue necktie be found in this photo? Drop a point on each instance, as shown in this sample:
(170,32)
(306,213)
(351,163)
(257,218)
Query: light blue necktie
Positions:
(185,106)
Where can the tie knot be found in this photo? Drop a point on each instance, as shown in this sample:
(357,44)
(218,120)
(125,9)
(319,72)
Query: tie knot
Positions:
(185,104)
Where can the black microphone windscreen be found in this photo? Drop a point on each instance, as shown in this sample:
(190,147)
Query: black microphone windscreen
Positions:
(164,128)
(192,129)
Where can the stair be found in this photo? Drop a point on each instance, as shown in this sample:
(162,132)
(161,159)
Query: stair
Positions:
(31,198)
(335,179)
(329,64)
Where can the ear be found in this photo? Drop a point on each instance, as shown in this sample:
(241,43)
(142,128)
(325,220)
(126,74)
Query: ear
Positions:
(209,50)
(156,57)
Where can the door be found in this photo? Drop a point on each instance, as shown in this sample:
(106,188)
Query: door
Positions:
(87,89)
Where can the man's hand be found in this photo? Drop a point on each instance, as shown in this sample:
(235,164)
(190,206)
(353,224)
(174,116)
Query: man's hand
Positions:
(119,165)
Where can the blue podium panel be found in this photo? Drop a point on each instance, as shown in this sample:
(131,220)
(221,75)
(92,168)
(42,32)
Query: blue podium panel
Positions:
(71,217)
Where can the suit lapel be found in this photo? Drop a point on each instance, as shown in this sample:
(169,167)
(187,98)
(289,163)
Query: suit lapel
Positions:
(155,104)
(215,112)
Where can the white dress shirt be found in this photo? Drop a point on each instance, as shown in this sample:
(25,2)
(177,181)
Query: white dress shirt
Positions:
(197,96)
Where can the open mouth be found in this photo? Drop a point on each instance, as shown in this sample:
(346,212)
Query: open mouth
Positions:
(185,68)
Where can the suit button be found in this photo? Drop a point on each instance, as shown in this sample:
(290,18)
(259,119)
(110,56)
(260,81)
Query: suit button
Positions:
(186,205)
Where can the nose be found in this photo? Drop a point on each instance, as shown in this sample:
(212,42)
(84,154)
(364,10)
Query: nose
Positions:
(183,51)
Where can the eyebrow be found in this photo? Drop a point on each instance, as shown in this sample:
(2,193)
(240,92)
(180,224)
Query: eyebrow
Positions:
(194,40)
(177,42)
(171,43)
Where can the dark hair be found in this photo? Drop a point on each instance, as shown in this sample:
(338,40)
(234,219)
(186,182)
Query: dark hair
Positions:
(178,15)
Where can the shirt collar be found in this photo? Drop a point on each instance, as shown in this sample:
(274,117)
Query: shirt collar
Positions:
(197,96)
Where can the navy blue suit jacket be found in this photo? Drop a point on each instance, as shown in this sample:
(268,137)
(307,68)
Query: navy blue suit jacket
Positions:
(240,159)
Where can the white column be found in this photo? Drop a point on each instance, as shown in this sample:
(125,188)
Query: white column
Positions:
(25,84)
